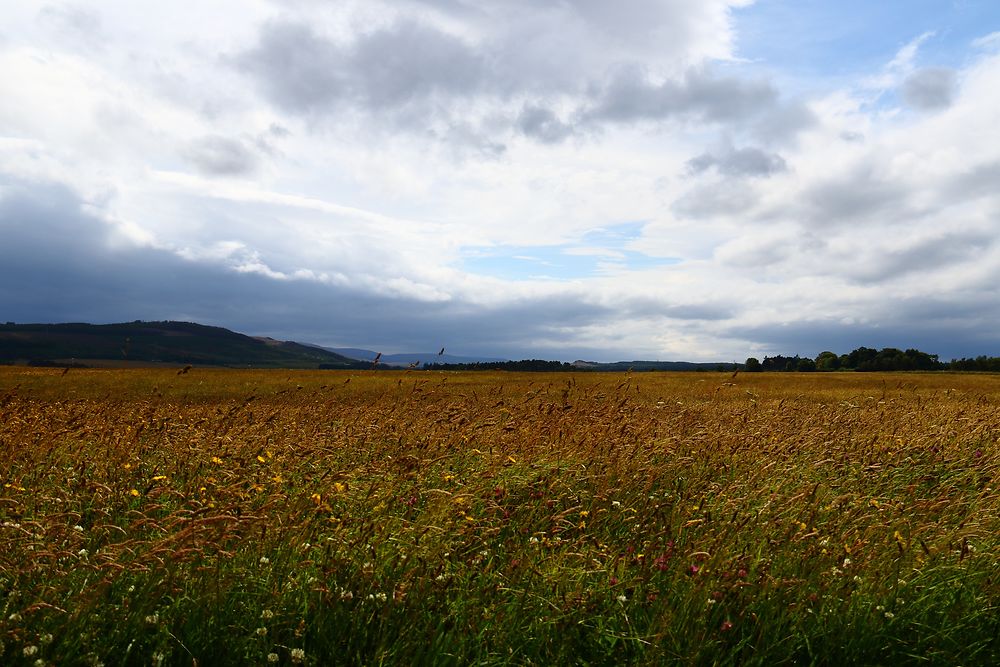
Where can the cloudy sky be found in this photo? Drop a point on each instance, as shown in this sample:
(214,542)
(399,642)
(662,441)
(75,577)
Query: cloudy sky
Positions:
(658,179)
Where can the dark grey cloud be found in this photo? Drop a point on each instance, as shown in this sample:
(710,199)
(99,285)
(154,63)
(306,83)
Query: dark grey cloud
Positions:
(416,76)
(542,124)
(302,71)
(862,194)
(947,328)
(979,181)
(715,199)
(930,89)
(221,156)
(749,161)
(923,256)
(629,95)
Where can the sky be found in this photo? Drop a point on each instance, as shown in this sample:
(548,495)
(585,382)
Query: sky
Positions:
(559,179)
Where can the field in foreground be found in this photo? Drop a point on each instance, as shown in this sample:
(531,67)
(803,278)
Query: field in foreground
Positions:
(231,517)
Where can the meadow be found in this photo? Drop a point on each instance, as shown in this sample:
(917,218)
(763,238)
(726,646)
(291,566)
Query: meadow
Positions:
(224,517)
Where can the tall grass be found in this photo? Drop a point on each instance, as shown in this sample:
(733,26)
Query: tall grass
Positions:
(230,517)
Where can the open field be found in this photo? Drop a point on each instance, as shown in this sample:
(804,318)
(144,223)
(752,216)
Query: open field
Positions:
(237,517)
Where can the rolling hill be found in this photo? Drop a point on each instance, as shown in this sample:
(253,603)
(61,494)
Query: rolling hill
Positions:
(157,343)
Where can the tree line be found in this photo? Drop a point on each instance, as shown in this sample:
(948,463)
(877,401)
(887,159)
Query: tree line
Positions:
(866,359)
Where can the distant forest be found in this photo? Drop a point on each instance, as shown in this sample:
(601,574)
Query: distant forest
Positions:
(863,359)
(868,359)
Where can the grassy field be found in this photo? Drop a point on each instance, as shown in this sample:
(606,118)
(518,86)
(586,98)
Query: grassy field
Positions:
(275,517)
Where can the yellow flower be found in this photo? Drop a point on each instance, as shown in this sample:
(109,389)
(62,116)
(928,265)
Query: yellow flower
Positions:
(134,493)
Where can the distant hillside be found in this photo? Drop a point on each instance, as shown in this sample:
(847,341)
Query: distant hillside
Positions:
(157,342)
(407,358)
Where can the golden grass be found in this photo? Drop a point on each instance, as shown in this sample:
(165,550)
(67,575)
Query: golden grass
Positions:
(492,517)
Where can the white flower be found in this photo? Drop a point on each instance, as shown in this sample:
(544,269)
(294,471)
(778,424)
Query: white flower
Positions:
(45,639)
(30,651)
(847,562)
(616,503)
(889,614)
(298,655)
(382,597)
(14,618)
(272,657)
(82,553)
(152,619)
(39,663)
(78,528)
(264,560)
(622,598)
(266,614)
(261,632)
(533,540)
(158,659)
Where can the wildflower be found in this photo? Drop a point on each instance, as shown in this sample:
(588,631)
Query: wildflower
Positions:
(261,631)
(710,601)
(298,655)
(267,614)
(847,562)
(39,663)
(78,528)
(14,618)
(857,579)
(82,553)
(622,598)
(45,639)
(890,615)
(616,503)
(158,659)
(152,619)
(30,651)
(264,560)
(134,493)
(533,540)
(272,657)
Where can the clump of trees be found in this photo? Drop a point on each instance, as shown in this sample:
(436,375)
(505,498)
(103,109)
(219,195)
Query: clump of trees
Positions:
(862,359)
(981,363)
